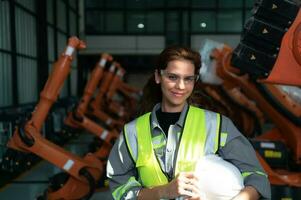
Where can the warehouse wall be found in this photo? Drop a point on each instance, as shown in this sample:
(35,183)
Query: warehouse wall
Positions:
(146,44)
(33,34)
(124,44)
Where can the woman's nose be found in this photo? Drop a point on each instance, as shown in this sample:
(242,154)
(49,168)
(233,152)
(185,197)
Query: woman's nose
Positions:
(180,83)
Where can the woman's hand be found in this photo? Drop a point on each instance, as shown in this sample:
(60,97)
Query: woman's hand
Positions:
(185,184)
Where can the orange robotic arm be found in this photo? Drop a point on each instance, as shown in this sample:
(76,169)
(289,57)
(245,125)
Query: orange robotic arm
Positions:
(228,98)
(270,46)
(269,52)
(292,132)
(96,76)
(77,118)
(232,103)
(127,92)
(104,86)
(97,104)
(287,68)
(27,137)
(120,85)
(280,63)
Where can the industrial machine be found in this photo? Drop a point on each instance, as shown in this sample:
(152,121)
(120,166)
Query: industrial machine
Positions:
(268,55)
(82,172)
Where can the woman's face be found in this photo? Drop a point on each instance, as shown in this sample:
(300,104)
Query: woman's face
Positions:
(177,82)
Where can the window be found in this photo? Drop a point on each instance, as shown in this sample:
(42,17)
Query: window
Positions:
(94,3)
(115,4)
(203,4)
(61,15)
(230,3)
(73,4)
(50,11)
(134,4)
(114,22)
(94,22)
(229,21)
(72,23)
(177,4)
(155,3)
(22,69)
(165,16)
(6,89)
(155,22)
(5,35)
(172,21)
(29,4)
(249,3)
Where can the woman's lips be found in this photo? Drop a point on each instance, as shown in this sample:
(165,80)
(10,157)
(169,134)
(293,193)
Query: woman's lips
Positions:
(177,94)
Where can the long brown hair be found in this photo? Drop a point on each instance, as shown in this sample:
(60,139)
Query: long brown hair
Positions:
(152,93)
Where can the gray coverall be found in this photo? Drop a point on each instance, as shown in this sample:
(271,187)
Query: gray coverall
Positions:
(235,149)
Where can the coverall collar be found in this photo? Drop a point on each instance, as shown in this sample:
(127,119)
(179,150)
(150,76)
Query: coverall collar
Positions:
(180,122)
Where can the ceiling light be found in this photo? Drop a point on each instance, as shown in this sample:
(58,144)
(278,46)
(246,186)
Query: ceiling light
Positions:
(203,24)
(140,25)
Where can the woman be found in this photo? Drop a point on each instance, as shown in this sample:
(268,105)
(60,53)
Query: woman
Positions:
(157,152)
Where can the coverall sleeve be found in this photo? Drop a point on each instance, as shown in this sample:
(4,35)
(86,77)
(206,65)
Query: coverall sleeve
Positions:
(122,172)
(239,151)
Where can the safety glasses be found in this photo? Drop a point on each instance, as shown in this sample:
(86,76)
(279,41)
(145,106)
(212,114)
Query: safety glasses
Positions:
(175,78)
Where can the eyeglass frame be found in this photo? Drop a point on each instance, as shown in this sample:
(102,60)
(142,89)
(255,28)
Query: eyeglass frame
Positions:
(188,80)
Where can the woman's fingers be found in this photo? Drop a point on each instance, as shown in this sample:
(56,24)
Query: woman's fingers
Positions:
(192,187)
(189,175)
(188,184)
(185,184)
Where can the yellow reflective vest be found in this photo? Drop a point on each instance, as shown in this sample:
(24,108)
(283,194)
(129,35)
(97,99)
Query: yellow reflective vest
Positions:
(200,137)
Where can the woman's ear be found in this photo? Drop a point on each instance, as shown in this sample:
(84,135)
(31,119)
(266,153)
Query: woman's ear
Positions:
(157,77)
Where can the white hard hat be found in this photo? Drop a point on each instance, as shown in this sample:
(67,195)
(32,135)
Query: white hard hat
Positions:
(218,179)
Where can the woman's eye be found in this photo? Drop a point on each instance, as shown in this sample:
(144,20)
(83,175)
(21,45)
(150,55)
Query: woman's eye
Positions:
(189,79)
(172,77)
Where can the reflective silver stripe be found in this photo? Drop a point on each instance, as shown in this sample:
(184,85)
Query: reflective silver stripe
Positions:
(178,135)
(109,121)
(68,165)
(112,68)
(102,63)
(223,139)
(104,134)
(69,51)
(121,190)
(120,73)
(246,174)
(158,141)
(211,126)
(131,137)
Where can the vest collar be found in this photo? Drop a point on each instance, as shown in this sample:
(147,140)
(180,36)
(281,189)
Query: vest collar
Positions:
(180,122)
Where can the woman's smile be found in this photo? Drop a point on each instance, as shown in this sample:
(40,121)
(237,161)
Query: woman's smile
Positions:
(178,94)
